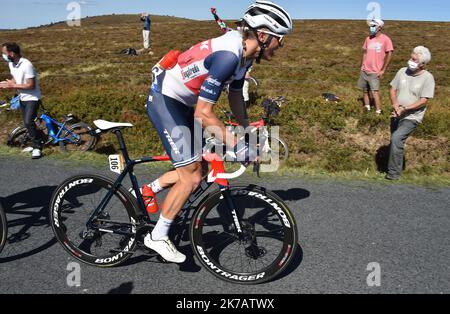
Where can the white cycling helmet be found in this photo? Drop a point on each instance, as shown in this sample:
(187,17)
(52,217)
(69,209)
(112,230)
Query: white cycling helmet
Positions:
(270,15)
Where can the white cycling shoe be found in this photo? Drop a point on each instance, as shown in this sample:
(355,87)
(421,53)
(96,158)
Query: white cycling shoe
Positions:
(165,248)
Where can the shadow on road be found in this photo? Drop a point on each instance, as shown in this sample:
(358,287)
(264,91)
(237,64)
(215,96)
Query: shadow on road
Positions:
(292,194)
(189,266)
(31,208)
(125,288)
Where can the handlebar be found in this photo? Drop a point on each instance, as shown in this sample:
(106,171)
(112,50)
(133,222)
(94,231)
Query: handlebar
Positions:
(234,175)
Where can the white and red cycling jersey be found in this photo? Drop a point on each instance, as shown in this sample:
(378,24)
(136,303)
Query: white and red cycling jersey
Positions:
(203,71)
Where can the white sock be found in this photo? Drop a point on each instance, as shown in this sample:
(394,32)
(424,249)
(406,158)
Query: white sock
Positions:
(155,186)
(162,228)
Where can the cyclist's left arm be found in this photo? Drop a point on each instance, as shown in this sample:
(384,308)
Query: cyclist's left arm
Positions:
(221,66)
(237,103)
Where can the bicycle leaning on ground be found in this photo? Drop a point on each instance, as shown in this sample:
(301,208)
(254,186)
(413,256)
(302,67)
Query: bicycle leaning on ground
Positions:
(10,105)
(274,146)
(3,228)
(70,134)
(244,235)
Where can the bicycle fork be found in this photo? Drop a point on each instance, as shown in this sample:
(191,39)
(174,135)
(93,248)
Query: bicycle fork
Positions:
(245,232)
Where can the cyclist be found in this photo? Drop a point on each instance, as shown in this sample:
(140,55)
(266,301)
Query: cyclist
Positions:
(184,94)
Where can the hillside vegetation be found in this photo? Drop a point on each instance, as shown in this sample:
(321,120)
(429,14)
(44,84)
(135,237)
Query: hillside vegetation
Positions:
(81,72)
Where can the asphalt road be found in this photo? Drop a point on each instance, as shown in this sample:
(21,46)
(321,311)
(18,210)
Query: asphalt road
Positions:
(343,228)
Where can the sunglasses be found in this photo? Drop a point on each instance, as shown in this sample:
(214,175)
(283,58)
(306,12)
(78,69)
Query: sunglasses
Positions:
(280,38)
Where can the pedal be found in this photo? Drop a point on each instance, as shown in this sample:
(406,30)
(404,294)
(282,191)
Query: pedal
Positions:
(143,250)
(124,252)
(150,253)
(142,231)
(86,234)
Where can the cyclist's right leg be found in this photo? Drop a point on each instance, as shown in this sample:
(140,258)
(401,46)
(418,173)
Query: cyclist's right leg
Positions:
(189,178)
(174,123)
(172,119)
(169,179)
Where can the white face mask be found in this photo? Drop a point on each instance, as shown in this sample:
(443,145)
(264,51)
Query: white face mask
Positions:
(6,58)
(373,30)
(413,66)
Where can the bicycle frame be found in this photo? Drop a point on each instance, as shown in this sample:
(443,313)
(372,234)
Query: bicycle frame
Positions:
(217,175)
(50,122)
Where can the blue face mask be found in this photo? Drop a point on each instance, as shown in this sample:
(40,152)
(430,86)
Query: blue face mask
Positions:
(373,30)
(6,58)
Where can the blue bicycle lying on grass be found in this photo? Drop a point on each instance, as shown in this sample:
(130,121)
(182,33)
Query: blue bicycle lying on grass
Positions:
(70,134)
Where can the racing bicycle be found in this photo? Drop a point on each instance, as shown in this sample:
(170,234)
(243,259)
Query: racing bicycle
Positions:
(274,146)
(70,134)
(245,235)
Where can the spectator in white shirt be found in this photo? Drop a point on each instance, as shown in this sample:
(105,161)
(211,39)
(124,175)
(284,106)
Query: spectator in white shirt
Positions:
(25,81)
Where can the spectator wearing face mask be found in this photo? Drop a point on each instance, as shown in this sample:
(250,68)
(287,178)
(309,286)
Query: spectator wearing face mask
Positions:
(378,51)
(412,88)
(25,81)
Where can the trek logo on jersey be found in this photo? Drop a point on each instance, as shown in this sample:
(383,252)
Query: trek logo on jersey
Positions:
(191,72)
(212,81)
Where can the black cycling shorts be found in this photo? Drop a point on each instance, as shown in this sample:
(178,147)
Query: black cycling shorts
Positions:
(176,126)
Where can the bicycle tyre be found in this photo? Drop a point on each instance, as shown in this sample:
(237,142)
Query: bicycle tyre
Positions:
(209,245)
(19,137)
(85,143)
(283,149)
(253,85)
(62,205)
(3,228)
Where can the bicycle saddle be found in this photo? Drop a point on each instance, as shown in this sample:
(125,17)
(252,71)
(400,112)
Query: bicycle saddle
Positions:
(106,125)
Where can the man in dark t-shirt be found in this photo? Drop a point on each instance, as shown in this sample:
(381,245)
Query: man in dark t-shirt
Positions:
(145,17)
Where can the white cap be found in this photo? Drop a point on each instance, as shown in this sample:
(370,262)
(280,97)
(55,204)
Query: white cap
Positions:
(376,22)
